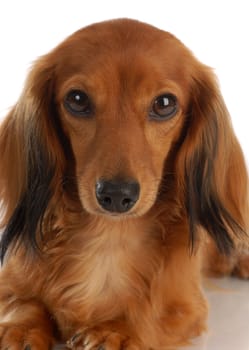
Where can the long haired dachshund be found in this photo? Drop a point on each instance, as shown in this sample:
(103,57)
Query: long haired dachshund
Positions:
(121,180)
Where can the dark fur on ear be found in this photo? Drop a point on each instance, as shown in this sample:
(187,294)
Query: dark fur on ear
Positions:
(32,161)
(32,205)
(212,169)
(203,205)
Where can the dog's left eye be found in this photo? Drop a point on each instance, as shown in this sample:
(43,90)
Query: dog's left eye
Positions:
(164,107)
(78,103)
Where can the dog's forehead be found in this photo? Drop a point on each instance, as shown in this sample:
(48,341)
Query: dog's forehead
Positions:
(119,33)
(124,45)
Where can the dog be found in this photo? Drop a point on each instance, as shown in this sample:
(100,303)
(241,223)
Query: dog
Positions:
(121,182)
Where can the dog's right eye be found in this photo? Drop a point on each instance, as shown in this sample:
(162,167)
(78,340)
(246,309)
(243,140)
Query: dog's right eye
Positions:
(78,103)
(164,107)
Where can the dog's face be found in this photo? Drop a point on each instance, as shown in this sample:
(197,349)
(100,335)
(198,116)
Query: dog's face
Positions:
(119,117)
(122,101)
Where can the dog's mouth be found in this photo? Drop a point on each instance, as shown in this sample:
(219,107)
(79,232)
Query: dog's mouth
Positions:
(117,216)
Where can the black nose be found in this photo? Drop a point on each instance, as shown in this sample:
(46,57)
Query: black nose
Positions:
(117,196)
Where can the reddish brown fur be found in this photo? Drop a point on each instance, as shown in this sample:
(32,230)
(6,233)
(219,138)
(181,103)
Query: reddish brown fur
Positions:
(127,281)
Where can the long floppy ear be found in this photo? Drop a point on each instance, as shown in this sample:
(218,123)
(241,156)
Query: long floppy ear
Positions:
(212,169)
(32,159)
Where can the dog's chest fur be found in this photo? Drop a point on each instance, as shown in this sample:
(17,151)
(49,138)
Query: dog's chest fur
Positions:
(108,264)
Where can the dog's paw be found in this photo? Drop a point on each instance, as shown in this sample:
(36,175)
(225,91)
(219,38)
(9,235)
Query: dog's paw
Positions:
(97,339)
(19,337)
(241,269)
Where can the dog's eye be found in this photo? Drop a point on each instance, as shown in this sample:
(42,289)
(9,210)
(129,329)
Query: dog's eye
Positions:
(78,103)
(164,107)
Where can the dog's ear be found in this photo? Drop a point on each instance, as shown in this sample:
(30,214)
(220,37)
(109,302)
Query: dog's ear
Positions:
(212,169)
(32,158)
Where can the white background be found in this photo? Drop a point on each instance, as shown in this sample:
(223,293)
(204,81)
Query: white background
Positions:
(216,31)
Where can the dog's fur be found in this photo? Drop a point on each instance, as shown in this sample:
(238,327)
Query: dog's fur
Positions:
(75,272)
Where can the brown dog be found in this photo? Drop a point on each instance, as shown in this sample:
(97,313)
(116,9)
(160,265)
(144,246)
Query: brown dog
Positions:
(118,165)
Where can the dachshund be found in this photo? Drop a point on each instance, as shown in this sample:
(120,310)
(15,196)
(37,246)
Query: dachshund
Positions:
(121,183)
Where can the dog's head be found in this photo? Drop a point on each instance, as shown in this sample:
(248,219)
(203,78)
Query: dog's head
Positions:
(121,117)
